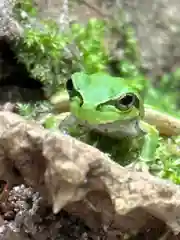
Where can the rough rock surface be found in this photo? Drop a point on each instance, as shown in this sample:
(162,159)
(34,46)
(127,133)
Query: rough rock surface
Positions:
(9,26)
(76,177)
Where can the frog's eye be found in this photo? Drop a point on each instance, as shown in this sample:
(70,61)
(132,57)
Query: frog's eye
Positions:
(69,86)
(73,92)
(127,101)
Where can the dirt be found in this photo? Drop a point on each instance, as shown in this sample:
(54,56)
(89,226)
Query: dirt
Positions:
(22,212)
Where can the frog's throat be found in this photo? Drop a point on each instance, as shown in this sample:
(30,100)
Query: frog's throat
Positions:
(118,129)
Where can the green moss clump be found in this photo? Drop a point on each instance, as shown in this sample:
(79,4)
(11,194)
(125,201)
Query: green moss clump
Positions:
(51,55)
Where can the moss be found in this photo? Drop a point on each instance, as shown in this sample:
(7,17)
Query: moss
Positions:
(51,55)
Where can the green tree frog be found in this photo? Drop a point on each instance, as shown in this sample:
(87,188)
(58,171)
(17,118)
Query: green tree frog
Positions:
(109,106)
(114,117)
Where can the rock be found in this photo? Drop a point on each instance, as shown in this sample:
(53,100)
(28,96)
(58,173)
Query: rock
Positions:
(9,26)
(34,221)
(79,178)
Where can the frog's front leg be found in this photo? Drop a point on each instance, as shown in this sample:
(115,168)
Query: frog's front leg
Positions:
(148,150)
(150,142)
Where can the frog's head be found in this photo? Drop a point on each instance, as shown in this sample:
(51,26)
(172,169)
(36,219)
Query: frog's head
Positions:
(105,103)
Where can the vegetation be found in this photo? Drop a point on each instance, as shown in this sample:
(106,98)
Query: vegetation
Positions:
(52,55)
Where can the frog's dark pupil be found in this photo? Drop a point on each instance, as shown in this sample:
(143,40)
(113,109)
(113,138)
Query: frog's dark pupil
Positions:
(127,100)
(70,88)
(69,85)
(72,91)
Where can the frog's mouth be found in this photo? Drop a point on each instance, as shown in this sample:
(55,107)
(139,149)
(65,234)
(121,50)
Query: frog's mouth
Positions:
(119,129)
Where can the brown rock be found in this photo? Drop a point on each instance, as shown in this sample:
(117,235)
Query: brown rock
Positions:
(81,179)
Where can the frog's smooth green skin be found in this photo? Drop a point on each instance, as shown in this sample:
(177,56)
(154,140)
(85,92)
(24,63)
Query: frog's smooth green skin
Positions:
(109,105)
